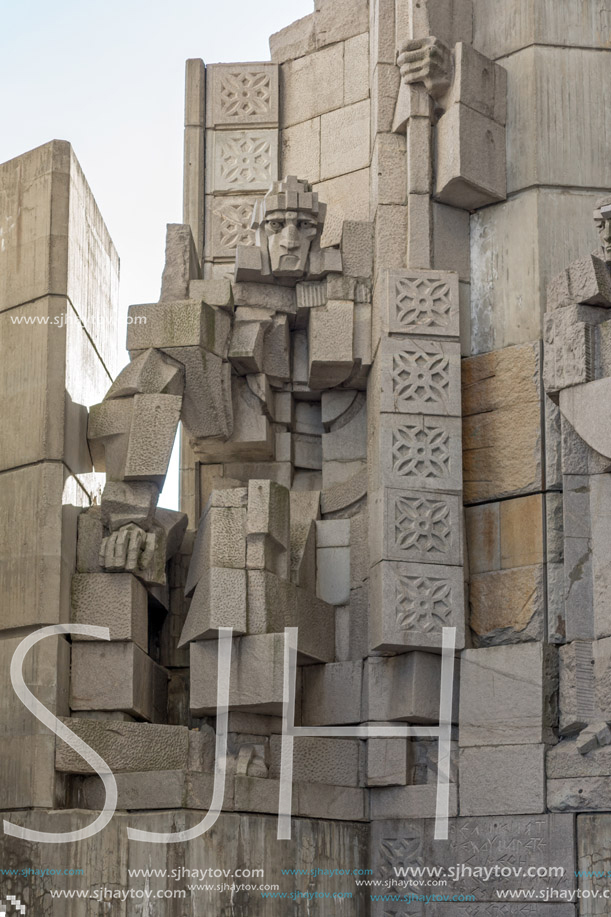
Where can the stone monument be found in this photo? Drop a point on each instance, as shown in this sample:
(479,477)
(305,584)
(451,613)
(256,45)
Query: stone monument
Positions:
(393,400)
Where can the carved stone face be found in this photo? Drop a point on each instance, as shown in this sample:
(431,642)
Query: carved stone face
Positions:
(604,231)
(289,235)
(602,218)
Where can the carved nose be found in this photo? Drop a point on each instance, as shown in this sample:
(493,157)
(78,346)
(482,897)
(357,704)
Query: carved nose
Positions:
(607,231)
(290,238)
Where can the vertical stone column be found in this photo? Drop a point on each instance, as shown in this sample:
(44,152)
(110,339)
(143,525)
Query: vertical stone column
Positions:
(58,306)
(415,451)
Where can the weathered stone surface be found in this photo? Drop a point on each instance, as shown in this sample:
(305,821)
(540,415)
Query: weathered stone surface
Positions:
(114,600)
(507,606)
(320,760)
(411,603)
(422,302)
(257,673)
(535,76)
(502,423)
(547,840)
(404,687)
(125,746)
(387,761)
(564,760)
(514,255)
(579,794)
(312,85)
(114,676)
(417,452)
(508,695)
(344,140)
(219,600)
(415,526)
(420,376)
(569,348)
(242,94)
(471,159)
(174,789)
(408,802)
(332,694)
(502,780)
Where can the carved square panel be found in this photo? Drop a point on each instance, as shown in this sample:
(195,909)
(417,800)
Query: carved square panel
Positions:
(420,452)
(411,604)
(242,94)
(423,527)
(242,160)
(420,376)
(422,302)
(228,225)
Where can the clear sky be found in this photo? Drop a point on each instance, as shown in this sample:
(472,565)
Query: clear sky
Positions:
(109,77)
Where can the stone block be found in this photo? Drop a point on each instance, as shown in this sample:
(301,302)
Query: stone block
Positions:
(569,348)
(344,140)
(228,225)
(245,160)
(357,248)
(502,453)
(118,601)
(242,95)
(275,603)
(252,794)
(125,746)
(36,556)
(347,198)
(312,85)
(502,780)
(508,695)
(578,794)
(213,292)
(333,575)
(332,694)
(544,841)
(219,600)
(451,245)
(565,760)
(483,533)
(175,789)
(594,736)
(577,678)
(479,83)
(346,440)
(320,760)
(28,772)
(514,256)
(257,675)
(268,512)
(471,159)
(408,802)
(535,77)
(337,21)
(344,803)
(387,762)
(356,68)
(403,688)
(420,376)
(521,531)
(246,347)
(220,540)
(415,526)
(422,302)
(181,262)
(411,603)
(183,323)
(507,606)
(419,452)
(330,344)
(113,676)
(301,150)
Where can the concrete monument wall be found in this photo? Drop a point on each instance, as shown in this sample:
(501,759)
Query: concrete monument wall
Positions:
(385,338)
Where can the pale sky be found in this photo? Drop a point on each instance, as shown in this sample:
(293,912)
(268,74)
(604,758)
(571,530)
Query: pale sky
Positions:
(109,77)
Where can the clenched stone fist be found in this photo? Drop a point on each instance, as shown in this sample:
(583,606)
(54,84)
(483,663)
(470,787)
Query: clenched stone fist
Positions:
(129,549)
(428,61)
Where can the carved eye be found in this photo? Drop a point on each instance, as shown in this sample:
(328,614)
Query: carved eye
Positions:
(306,224)
(275,225)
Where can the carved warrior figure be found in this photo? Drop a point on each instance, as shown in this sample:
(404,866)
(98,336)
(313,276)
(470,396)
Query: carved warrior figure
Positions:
(238,364)
(577,367)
